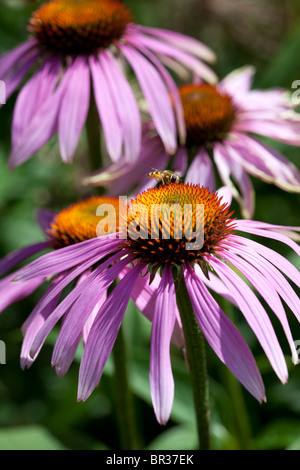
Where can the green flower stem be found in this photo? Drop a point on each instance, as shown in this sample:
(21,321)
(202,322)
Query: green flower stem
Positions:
(195,347)
(123,397)
(93,136)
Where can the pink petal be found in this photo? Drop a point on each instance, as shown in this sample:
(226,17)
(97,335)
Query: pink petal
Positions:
(33,95)
(125,104)
(189,44)
(238,82)
(201,170)
(266,288)
(13,292)
(223,337)
(20,255)
(156,95)
(255,315)
(161,377)
(103,334)
(74,107)
(170,50)
(107,110)
(67,257)
(11,59)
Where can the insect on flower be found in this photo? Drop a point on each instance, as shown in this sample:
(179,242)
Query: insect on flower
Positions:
(165,176)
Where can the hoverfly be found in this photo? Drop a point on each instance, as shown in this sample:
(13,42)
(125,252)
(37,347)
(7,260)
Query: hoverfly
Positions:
(165,176)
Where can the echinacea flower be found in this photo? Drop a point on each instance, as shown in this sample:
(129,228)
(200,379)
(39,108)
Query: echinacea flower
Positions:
(222,124)
(220,262)
(75,42)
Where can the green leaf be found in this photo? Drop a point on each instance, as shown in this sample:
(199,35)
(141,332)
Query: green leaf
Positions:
(28,438)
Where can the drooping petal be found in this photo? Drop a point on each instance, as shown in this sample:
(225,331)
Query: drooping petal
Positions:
(20,255)
(238,82)
(67,257)
(34,323)
(40,129)
(33,95)
(267,230)
(74,107)
(67,302)
(125,104)
(156,95)
(272,256)
(264,162)
(189,44)
(165,49)
(201,170)
(245,185)
(13,80)
(107,110)
(11,292)
(161,376)
(223,336)
(223,165)
(268,289)
(83,306)
(144,296)
(45,218)
(103,334)
(255,315)
(11,59)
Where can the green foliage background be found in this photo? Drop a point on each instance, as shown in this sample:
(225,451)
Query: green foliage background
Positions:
(38,410)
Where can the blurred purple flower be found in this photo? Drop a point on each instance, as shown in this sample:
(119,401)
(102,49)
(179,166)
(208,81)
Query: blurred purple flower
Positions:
(76,43)
(222,122)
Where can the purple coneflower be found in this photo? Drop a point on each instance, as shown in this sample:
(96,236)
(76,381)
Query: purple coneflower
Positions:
(222,122)
(75,42)
(220,264)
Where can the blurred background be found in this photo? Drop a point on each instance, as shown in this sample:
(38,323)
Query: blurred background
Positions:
(38,410)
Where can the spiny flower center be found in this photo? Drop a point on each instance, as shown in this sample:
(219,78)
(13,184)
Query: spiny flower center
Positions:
(176,223)
(79,222)
(208,113)
(79,26)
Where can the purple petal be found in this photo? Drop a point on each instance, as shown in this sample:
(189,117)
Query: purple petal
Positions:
(103,334)
(275,167)
(13,80)
(125,104)
(67,303)
(238,82)
(169,50)
(34,323)
(156,95)
(45,217)
(224,164)
(255,315)
(39,130)
(82,308)
(201,170)
(67,257)
(245,185)
(267,288)
(107,110)
(33,95)
(267,230)
(161,377)
(13,292)
(275,258)
(191,45)
(20,255)
(223,337)
(74,107)
(11,58)
(144,296)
